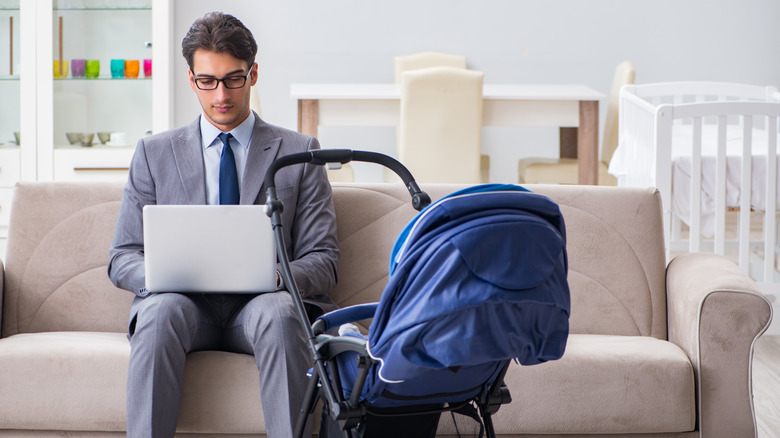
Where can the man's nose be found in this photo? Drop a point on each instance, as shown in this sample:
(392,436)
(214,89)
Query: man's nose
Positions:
(221,89)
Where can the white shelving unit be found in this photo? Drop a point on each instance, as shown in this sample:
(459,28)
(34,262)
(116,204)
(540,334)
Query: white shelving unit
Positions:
(47,107)
(10,152)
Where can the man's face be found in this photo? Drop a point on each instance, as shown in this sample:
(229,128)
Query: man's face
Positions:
(224,107)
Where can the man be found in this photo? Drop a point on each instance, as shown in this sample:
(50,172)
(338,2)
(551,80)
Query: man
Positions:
(182,166)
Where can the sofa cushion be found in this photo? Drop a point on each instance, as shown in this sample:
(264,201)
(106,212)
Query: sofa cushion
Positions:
(55,277)
(76,381)
(617,261)
(64,381)
(603,385)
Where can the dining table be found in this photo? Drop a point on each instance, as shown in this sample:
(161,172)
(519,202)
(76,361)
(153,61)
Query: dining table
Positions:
(573,108)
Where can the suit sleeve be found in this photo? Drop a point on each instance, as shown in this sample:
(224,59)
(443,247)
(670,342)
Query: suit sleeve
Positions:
(126,263)
(315,248)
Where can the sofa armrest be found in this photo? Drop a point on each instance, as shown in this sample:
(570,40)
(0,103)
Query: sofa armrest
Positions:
(715,314)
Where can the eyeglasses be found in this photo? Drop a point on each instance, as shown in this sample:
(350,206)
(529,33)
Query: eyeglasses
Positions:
(229,82)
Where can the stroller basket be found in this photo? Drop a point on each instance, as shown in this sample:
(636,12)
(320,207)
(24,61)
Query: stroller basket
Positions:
(477,279)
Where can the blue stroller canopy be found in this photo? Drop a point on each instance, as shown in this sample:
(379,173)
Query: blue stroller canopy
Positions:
(477,278)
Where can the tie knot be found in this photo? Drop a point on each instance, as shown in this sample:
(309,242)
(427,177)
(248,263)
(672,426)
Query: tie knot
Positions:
(225,137)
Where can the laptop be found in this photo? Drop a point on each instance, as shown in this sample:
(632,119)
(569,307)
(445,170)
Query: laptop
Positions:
(208,249)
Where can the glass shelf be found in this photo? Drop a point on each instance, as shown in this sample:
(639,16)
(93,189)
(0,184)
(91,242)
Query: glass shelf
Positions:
(102,5)
(103,9)
(94,147)
(12,78)
(104,78)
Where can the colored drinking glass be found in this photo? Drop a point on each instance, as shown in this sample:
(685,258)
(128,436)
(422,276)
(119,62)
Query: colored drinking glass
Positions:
(148,68)
(131,68)
(77,67)
(92,68)
(60,71)
(117,68)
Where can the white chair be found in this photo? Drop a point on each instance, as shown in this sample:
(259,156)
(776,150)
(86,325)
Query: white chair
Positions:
(441,124)
(254,100)
(344,174)
(420,60)
(565,170)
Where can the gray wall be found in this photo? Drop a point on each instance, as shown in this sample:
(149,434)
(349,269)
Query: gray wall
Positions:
(534,41)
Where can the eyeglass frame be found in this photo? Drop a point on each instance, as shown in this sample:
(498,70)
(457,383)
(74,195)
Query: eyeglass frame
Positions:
(196,79)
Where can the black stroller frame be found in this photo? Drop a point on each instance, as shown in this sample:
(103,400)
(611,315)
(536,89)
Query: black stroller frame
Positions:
(349,413)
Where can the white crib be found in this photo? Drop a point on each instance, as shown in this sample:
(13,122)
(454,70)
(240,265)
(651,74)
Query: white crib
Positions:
(688,139)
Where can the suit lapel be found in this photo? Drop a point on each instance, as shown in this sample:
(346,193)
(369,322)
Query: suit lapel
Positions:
(263,147)
(188,154)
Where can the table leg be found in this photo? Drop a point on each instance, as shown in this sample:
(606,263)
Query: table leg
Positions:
(587,143)
(308,116)
(568,142)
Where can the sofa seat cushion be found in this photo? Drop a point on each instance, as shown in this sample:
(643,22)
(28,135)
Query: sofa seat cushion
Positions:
(76,381)
(603,385)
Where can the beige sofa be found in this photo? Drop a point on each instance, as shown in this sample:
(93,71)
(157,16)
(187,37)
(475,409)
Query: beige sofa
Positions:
(653,350)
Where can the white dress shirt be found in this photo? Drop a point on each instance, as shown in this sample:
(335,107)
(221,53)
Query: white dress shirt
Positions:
(212,151)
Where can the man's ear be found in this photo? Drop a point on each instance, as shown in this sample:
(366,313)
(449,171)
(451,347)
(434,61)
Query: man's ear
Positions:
(254,74)
(192,80)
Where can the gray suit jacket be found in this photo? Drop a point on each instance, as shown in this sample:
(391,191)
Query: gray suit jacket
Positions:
(168,168)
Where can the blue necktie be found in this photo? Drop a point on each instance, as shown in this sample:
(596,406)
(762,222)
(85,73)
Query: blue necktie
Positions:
(228,177)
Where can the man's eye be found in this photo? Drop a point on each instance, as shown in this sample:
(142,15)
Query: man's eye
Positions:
(207,81)
(234,80)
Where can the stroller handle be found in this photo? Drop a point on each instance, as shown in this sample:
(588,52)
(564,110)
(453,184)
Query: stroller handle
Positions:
(321,157)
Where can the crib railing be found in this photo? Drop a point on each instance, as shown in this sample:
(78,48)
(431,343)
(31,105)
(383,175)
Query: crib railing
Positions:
(742,117)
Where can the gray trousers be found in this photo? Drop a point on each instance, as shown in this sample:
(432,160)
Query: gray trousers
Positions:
(168,326)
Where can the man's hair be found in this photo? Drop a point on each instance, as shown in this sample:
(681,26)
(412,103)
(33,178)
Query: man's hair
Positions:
(220,33)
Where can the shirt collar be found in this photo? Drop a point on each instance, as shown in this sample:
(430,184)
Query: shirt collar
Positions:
(242,133)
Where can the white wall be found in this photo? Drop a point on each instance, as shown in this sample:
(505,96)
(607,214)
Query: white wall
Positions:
(535,41)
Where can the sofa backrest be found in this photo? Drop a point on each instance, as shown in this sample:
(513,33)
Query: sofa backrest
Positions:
(615,246)
(56,280)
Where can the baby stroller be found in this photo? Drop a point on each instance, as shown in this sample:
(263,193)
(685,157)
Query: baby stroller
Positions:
(477,279)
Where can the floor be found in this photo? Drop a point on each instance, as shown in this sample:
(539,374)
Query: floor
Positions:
(766,385)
